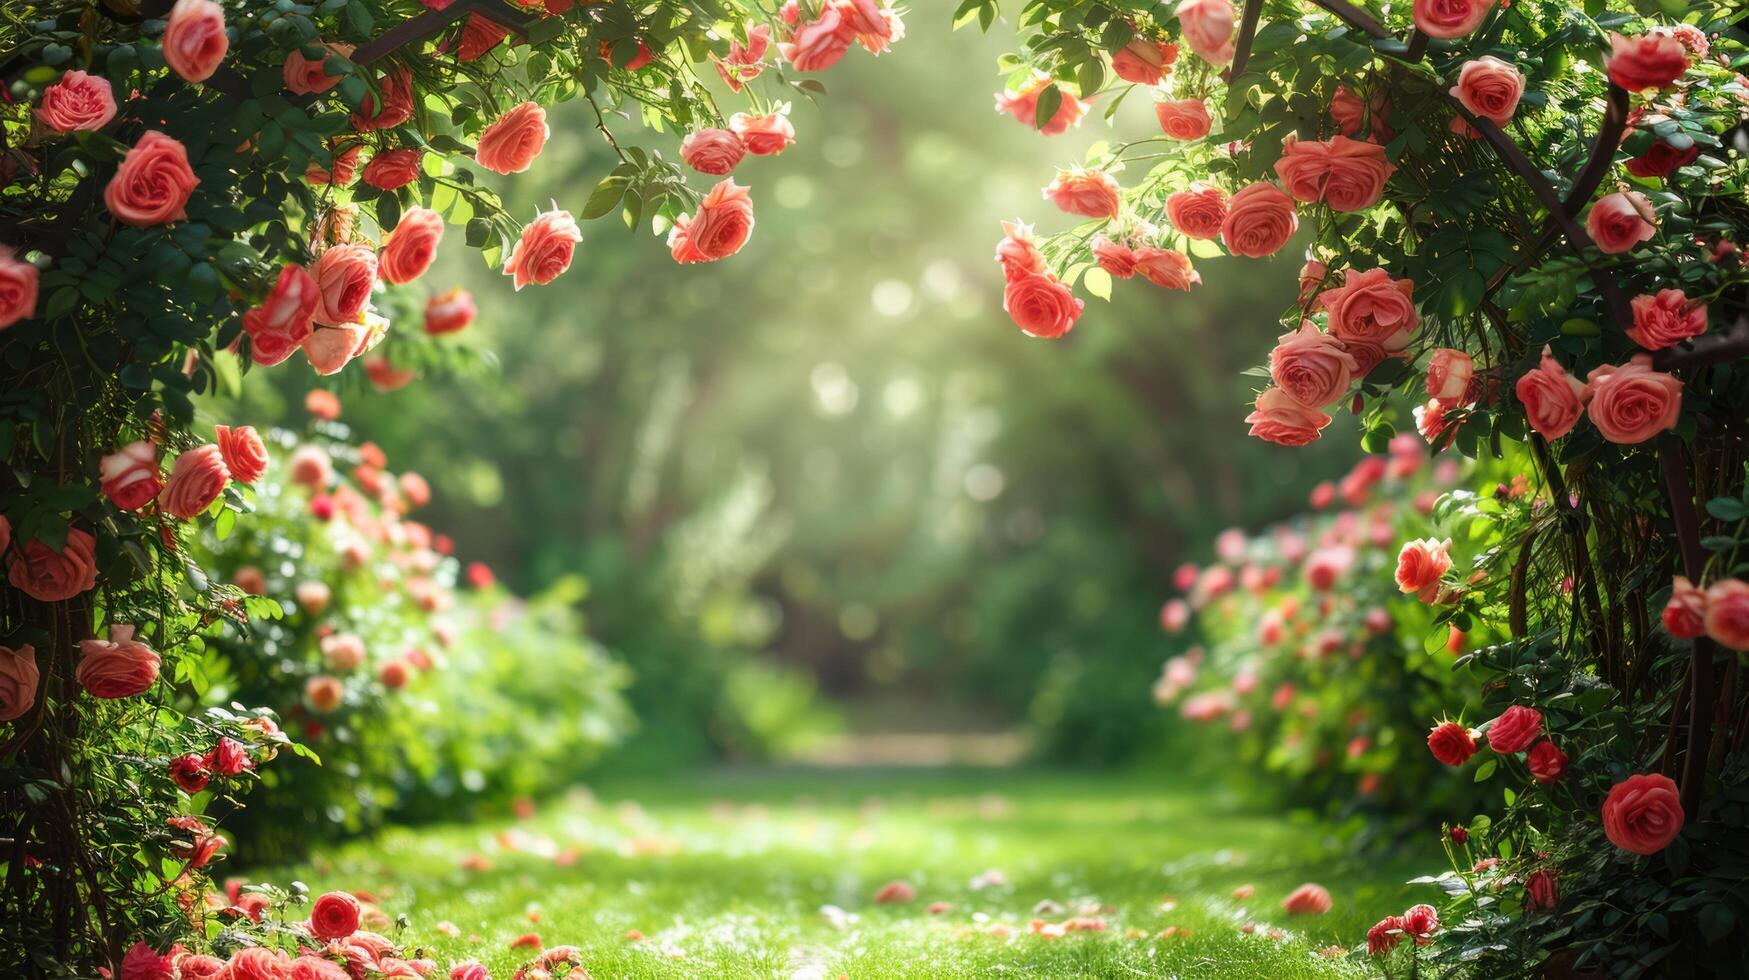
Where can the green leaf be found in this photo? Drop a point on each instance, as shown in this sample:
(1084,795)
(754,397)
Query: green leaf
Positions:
(1098,282)
(605,197)
(1049,101)
(1486,769)
(1727,508)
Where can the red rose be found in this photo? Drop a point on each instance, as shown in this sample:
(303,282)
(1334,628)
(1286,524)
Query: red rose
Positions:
(190,772)
(1114,258)
(258,963)
(1727,613)
(1541,892)
(1041,305)
(194,39)
(1489,88)
(1017,252)
(1661,159)
(244,453)
(229,758)
(1260,219)
(1308,899)
(1372,309)
(1684,615)
(510,144)
(309,76)
(153,183)
(1023,106)
(1208,28)
(449,312)
(142,962)
(818,44)
(1451,743)
(1197,212)
(1643,813)
(391,170)
(1546,761)
(130,477)
(47,575)
(1165,267)
(712,151)
(1422,922)
(544,249)
(1144,61)
(479,36)
(1384,935)
(1647,61)
(1515,729)
(196,480)
(1347,174)
(119,667)
(411,247)
(722,224)
(334,916)
(77,102)
(1280,418)
(1449,373)
(345,168)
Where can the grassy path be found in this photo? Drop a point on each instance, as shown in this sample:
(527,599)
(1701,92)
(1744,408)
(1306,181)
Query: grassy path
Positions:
(773,875)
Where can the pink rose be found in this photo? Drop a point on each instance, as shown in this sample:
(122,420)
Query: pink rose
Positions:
(244,453)
(1651,60)
(1166,268)
(1023,106)
(1260,219)
(342,652)
(1348,175)
(345,168)
(1421,565)
(871,25)
(1451,743)
(1643,813)
(1666,318)
(1144,61)
(511,143)
(1089,193)
(722,224)
(18,288)
(469,971)
(449,312)
(332,346)
(818,44)
(1113,257)
(1352,114)
(1311,366)
(144,963)
(1282,419)
(395,90)
(1727,613)
(544,249)
(1447,19)
(1546,761)
(1449,373)
(194,39)
(415,489)
(1208,29)
(1620,221)
(1308,899)
(153,183)
(18,681)
(310,467)
(258,963)
(129,476)
(1553,399)
(77,102)
(1489,88)
(334,916)
(282,321)
(198,966)
(120,667)
(391,170)
(324,693)
(1372,309)
(1182,119)
(763,135)
(308,76)
(1041,305)
(1633,403)
(1684,616)
(47,575)
(409,249)
(1197,212)
(196,480)
(1515,729)
(1017,253)
(384,376)
(712,151)
(345,275)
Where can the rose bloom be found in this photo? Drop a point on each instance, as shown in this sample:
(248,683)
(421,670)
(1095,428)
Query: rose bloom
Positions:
(1420,566)
(258,963)
(190,772)
(1370,308)
(18,681)
(77,102)
(1352,115)
(283,319)
(1666,318)
(1017,253)
(1540,892)
(250,579)
(1308,899)
(449,312)
(345,168)
(415,489)
(1041,305)
(130,475)
(722,224)
(410,248)
(1311,366)
(1651,60)
(332,347)
(1633,403)
(1144,61)
(308,76)
(1089,193)
(1727,613)
(1643,813)
(469,971)
(1449,373)
(1661,159)
(1421,921)
(1023,106)
(712,151)
(228,758)
(1451,743)
(194,39)
(1489,88)
(310,467)
(1208,28)
(1114,257)
(345,274)
(1165,267)
(153,183)
(868,23)
(1183,119)
(384,376)
(1280,418)
(763,135)
(1515,729)
(1384,935)
(1546,761)
(144,963)
(544,249)
(1260,219)
(509,145)
(1347,174)
(323,404)
(342,652)
(1197,212)
(47,575)
(1324,567)
(391,170)
(818,44)
(323,693)
(198,966)
(395,89)
(1553,399)
(119,667)
(196,480)
(1684,616)
(1447,19)
(244,453)
(334,916)
(394,674)
(18,288)
(1620,221)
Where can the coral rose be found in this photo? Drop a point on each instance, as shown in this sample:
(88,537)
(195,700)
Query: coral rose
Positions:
(77,102)
(1017,252)
(1352,114)
(119,667)
(283,320)
(197,966)
(1620,221)
(385,376)
(1666,318)
(130,476)
(1260,219)
(1684,616)
(194,39)
(1183,119)
(1311,366)
(324,693)
(196,480)
(1089,193)
(1041,305)
(1633,403)
(1546,761)
(391,170)
(449,312)
(18,288)
(1280,418)
(1308,899)
(334,916)
(1553,399)
(818,44)
(1347,174)
(1451,743)
(544,249)
(894,892)
(244,453)
(1198,211)
(1490,88)
(510,144)
(1727,613)
(1372,309)
(1649,61)
(345,167)
(1515,729)
(153,183)
(722,224)
(345,276)
(1643,813)
(257,963)
(1165,267)
(395,90)
(1114,257)
(411,247)
(1208,28)
(1420,566)
(1023,106)
(712,151)
(1144,61)
(47,575)
(309,76)
(310,467)
(478,37)
(1449,373)
(18,681)
(763,135)
(1447,19)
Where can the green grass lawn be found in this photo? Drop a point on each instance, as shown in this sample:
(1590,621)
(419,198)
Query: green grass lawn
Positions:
(772,874)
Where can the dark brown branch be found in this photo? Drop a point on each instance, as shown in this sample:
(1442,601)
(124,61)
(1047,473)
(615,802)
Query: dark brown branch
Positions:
(1615,122)
(1703,681)
(1247,33)
(1706,350)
